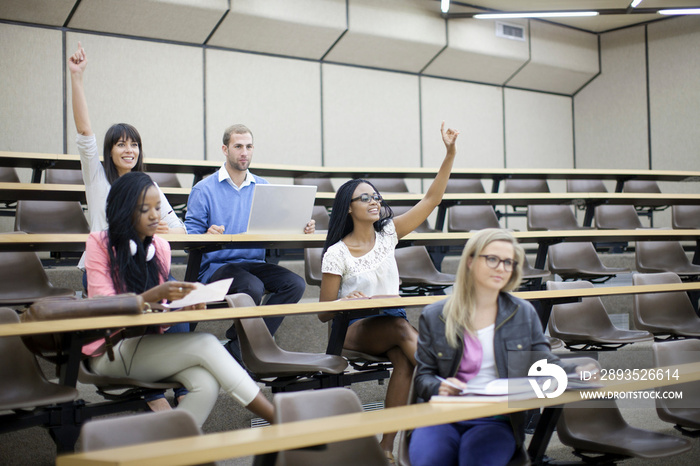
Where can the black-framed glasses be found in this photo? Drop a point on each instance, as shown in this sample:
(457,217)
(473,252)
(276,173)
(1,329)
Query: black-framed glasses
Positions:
(366,198)
(494,261)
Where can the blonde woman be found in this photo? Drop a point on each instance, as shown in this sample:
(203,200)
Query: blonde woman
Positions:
(467,338)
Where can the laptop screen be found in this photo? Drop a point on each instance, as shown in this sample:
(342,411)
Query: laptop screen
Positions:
(281,208)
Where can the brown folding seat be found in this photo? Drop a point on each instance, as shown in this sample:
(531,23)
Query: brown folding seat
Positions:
(471,218)
(422,228)
(139,428)
(685,216)
(572,261)
(8,175)
(464,185)
(418,274)
(324,185)
(599,434)
(312,266)
(685,412)
(23,279)
(265,359)
(389,185)
(664,256)
(300,406)
(616,217)
(525,186)
(50,217)
(586,186)
(530,272)
(551,217)
(585,325)
(669,314)
(61,176)
(641,186)
(165,180)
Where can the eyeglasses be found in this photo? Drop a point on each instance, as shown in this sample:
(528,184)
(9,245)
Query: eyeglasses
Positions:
(494,261)
(366,198)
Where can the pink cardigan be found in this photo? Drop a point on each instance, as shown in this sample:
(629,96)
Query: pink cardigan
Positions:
(98,274)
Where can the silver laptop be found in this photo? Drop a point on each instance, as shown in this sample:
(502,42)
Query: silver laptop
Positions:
(281,208)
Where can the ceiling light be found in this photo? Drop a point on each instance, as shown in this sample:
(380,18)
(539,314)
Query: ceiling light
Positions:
(536,14)
(635,3)
(444,6)
(685,11)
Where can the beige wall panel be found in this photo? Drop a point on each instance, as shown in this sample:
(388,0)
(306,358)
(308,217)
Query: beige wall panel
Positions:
(475,53)
(52,12)
(277,98)
(611,111)
(300,28)
(674,67)
(562,60)
(370,118)
(180,20)
(31,96)
(538,132)
(155,87)
(393,34)
(476,111)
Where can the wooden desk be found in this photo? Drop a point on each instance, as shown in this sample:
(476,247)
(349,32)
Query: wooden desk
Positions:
(40,161)
(287,436)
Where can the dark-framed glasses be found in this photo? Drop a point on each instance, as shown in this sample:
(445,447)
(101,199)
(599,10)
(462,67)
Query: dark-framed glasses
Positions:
(366,198)
(494,261)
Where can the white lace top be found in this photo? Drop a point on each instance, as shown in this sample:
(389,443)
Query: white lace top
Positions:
(375,273)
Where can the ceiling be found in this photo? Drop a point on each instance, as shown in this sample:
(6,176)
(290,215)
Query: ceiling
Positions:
(601,23)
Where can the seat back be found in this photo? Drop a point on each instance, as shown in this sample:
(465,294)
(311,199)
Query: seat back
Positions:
(686,411)
(661,256)
(50,217)
(685,216)
(418,273)
(525,186)
(640,186)
(662,313)
(165,180)
(586,186)
(551,217)
(61,176)
(324,185)
(530,272)
(586,318)
(623,217)
(23,279)
(471,217)
(464,185)
(8,175)
(22,383)
(304,405)
(312,266)
(389,185)
(138,428)
(422,228)
(568,258)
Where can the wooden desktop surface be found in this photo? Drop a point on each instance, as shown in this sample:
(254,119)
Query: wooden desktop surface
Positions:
(158,318)
(69,161)
(249,442)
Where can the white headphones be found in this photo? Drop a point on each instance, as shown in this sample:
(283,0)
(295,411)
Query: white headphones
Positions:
(150,253)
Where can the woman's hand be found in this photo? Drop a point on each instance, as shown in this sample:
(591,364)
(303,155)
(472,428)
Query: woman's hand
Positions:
(449,136)
(78,61)
(451,387)
(310,227)
(195,307)
(169,291)
(162,228)
(356,295)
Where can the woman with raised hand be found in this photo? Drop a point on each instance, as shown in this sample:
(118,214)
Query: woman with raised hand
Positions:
(122,153)
(130,258)
(469,337)
(358,261)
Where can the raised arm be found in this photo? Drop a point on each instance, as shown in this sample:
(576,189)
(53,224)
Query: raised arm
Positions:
(409,221)
(77,64)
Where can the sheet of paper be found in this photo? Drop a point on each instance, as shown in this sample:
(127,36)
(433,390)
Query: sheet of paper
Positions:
(215,291)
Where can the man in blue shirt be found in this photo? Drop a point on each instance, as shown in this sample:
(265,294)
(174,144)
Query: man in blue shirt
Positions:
(221,204)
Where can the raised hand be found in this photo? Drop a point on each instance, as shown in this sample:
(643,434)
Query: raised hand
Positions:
(78,61)
(449,136)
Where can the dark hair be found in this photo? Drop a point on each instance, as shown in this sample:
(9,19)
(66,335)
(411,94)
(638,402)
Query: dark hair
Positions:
(113,135)
(340,223)
(130,274)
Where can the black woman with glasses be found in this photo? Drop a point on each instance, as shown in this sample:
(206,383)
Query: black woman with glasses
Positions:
(358,262)
(464,342)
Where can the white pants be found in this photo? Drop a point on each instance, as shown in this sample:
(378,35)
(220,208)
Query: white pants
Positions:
(196,360)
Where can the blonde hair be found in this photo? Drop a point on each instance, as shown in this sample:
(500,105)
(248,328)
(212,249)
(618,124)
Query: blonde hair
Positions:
(460,307)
